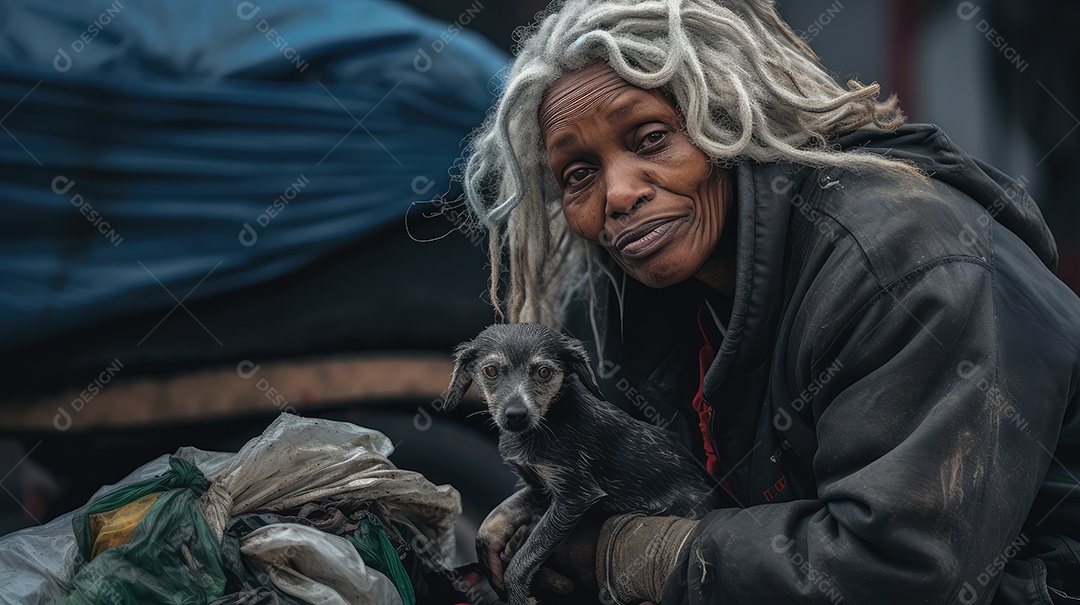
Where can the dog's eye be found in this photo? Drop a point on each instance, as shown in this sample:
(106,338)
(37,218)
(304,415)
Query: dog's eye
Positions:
(491,371)
(544,372)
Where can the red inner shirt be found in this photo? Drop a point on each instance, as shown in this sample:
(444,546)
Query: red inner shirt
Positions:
(705,358)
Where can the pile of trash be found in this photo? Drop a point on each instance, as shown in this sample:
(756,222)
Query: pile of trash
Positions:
(311,511)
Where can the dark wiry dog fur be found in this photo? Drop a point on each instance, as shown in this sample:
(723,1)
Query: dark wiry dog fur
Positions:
(574,451)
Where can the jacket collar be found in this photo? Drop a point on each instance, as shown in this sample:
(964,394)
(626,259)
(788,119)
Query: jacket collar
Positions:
(764,196)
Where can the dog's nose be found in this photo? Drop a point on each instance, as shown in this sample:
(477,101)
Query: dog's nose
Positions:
(517,416)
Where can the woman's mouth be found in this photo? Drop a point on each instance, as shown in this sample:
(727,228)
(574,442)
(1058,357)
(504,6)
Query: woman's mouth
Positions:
(640,241)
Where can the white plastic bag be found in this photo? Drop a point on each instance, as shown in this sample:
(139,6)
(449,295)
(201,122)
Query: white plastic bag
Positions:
(299,460)
(316,567)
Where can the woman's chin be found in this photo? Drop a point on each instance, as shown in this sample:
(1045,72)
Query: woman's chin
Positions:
(658,274)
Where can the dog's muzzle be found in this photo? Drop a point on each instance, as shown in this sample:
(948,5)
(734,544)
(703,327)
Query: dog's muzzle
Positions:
(516,414)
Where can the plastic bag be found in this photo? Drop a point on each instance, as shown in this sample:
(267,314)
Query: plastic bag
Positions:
(37,564)
(172,557)
(375,549)
(116,527)
(320,568)
(299,460)
(113,510)
(295,461)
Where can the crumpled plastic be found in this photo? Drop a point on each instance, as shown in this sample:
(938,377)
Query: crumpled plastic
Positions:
(370,540)
(320,568)
(295,461)
(37,564)
(171,557)
(258,596)
(299,460)
(116,527)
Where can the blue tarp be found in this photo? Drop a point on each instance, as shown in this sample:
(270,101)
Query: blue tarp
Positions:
(153,150)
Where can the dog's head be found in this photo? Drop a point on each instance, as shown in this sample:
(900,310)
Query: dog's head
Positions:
(519,371)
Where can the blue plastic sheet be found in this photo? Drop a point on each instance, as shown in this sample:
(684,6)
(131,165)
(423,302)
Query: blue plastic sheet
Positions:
(161,152)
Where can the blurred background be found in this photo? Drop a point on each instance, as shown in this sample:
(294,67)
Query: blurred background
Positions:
(212,210)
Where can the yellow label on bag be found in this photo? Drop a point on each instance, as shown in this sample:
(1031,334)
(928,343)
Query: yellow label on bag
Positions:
(115,527)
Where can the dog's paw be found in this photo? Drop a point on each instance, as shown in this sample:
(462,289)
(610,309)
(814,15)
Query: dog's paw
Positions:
(518,583)
(519,597)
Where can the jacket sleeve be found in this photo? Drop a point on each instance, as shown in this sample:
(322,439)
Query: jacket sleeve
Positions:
(931,446)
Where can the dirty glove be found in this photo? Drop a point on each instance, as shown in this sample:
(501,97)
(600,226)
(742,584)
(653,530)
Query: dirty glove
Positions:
(636,554)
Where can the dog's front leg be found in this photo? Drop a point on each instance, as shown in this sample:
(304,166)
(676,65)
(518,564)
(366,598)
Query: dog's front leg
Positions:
(554,526)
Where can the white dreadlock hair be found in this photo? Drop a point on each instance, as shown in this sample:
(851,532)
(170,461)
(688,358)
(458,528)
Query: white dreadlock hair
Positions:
(746,87)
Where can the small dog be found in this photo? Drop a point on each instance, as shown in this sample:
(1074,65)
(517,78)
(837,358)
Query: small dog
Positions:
(574,450)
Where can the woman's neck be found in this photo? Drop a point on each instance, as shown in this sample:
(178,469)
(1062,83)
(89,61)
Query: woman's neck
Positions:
(719,274)
(718,271)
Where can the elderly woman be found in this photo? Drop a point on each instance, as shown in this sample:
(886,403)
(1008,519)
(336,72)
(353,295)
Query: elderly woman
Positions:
(860,321)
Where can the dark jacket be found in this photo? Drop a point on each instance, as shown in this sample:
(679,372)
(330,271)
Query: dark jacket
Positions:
(895,401)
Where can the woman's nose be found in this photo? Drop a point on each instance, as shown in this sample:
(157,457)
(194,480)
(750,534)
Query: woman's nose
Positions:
(626,188)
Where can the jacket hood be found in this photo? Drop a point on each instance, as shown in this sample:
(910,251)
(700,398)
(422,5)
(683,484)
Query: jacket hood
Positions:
(1005,198)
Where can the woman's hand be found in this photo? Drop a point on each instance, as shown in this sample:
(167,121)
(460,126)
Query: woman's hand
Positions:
(503,532)
(570,569)
(570,572)
(638,553)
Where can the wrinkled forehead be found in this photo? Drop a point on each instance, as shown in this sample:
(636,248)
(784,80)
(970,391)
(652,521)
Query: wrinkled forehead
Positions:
(580,92)
(577,92)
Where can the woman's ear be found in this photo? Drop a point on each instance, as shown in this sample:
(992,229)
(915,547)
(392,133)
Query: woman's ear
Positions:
(577,360)
(464,356)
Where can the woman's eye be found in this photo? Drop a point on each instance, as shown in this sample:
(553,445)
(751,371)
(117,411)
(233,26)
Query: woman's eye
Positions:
(653,138)
(577,175)
(491,371)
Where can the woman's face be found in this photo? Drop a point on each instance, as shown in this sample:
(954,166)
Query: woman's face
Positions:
(631,179)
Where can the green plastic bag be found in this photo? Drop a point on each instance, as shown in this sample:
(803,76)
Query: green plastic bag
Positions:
(172,556)
(182,474)
(375,549)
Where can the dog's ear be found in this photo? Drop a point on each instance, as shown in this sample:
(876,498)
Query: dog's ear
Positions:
(464,356)
(578,362)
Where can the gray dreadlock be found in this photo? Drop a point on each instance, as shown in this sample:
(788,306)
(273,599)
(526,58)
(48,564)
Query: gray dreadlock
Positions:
(747,88)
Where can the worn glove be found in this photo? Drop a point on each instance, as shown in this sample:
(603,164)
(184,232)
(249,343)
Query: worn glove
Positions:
(636,554)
